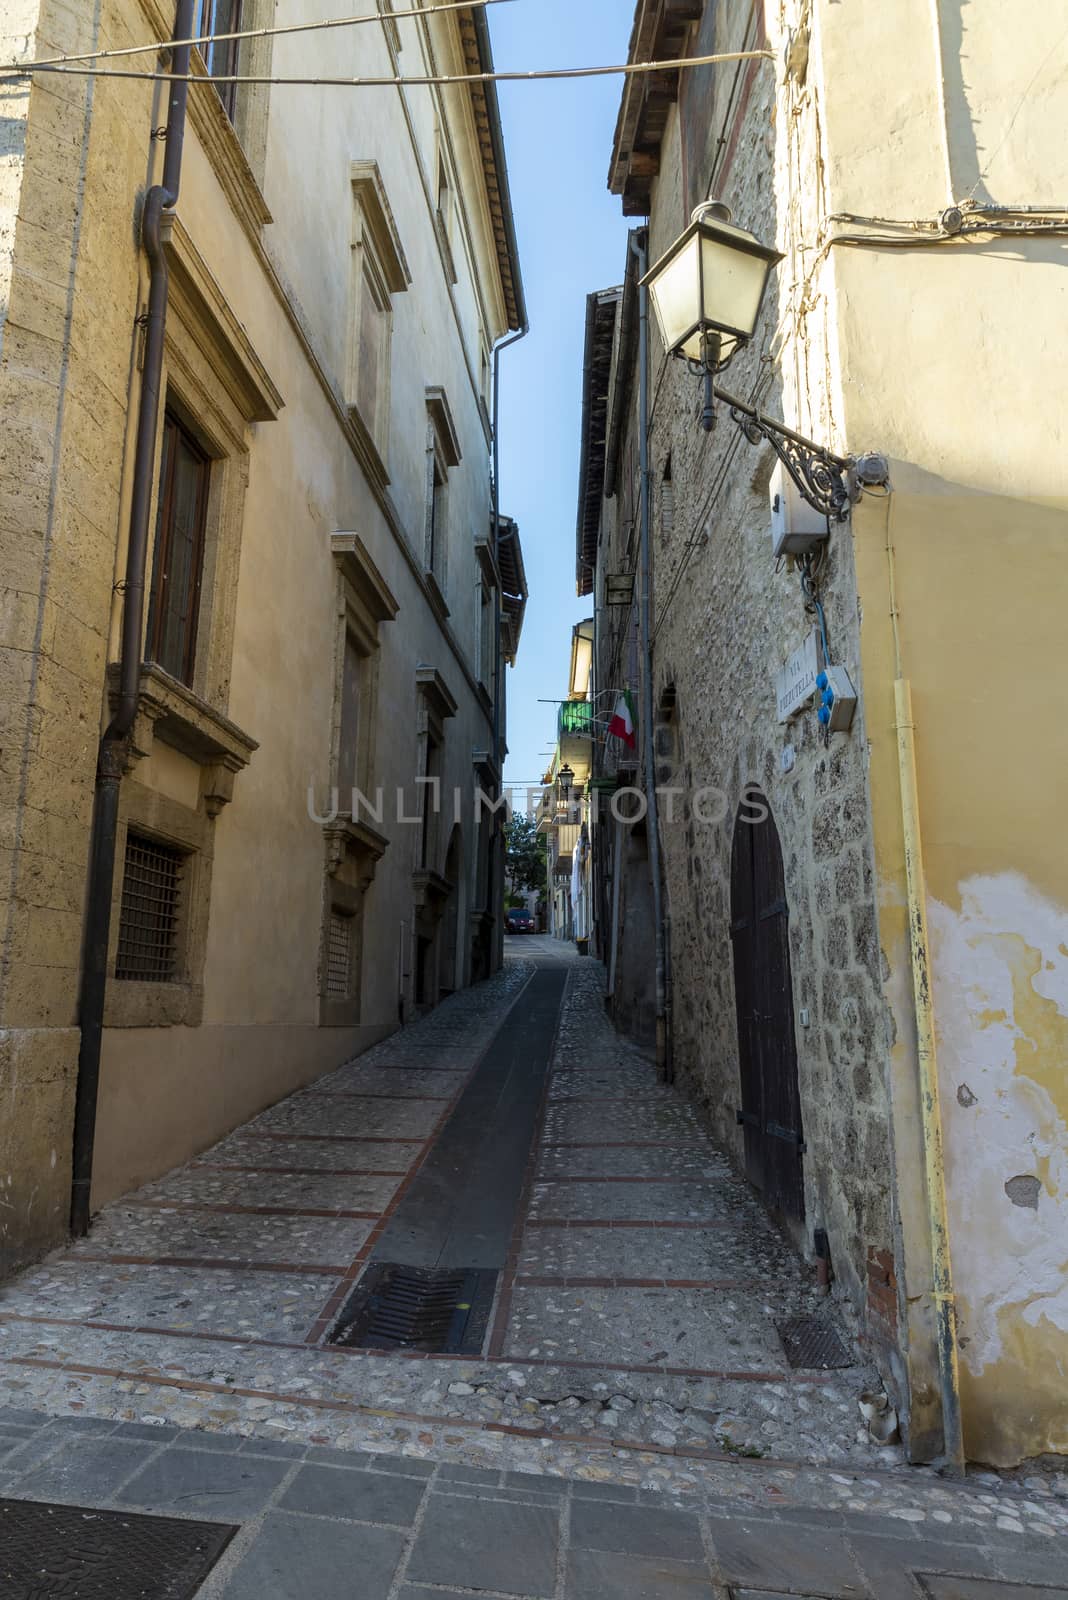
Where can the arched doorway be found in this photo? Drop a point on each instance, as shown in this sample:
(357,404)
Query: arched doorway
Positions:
(770,1110)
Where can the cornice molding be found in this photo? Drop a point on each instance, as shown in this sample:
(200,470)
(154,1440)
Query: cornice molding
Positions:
(204,308)
(369,190)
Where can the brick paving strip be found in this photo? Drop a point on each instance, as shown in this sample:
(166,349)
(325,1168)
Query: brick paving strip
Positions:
(329,1312)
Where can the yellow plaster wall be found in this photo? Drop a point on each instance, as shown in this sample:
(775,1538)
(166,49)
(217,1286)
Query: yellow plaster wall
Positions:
(948,365)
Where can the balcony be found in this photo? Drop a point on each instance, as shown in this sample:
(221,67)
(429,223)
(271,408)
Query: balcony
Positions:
(575,720)
(574,733)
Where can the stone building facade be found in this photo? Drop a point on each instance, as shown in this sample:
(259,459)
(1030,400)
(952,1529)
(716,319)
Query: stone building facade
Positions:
(884,323)
(327,604)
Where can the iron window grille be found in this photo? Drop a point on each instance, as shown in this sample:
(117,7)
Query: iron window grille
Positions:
(150,911)
(339,956)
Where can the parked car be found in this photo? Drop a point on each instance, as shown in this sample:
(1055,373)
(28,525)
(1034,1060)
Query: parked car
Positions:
(519,921)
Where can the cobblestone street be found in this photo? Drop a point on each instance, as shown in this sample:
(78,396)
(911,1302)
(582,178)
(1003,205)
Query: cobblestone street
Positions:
(632,1425)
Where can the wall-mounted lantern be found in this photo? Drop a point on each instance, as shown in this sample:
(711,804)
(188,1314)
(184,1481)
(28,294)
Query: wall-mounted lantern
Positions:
(707,292)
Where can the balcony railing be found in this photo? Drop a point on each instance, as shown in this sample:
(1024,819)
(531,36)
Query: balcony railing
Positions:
(575,720)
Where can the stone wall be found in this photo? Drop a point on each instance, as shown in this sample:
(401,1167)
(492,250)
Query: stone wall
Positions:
(725,619)
(63,382)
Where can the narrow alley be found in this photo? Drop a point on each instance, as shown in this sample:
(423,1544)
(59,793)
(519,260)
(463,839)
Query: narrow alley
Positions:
(621,1390)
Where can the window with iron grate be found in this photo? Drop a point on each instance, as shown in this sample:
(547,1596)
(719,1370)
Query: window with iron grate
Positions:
(150,909)
(339,956)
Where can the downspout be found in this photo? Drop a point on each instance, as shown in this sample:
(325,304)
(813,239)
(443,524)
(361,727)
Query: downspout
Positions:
(112,752)
(497,864)
(493,111)
(927,1054)
(645,625)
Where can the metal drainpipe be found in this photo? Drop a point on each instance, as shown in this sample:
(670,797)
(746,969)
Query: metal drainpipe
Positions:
(652,818)
(111,756)
(945,1303)
(498,660)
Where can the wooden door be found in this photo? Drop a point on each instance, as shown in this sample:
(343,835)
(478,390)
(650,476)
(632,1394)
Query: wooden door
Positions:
(770,1110)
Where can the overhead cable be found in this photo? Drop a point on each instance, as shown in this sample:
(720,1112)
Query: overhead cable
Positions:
(158,45)
(430,80)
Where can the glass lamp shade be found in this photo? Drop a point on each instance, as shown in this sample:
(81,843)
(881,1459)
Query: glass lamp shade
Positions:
(708,288)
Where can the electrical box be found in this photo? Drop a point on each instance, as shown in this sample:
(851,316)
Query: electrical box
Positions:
(837,699)
(796,527)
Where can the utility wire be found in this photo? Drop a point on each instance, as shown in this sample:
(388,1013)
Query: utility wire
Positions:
(632,69)
(246,33)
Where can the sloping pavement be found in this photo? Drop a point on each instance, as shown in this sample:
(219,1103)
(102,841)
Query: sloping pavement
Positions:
(631,1424)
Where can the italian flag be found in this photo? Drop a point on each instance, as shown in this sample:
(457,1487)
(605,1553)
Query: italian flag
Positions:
(622,723)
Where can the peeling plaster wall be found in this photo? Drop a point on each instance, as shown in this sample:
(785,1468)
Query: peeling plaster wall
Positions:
(946,362)
(1001,978)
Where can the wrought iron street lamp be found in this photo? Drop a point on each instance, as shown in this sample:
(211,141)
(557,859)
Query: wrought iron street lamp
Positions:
(706,293)
(708,289)
(565,778)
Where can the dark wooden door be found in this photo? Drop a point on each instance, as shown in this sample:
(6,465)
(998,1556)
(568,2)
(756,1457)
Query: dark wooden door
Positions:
(770,1110)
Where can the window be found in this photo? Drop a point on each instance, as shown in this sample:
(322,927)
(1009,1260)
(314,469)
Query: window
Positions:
(431,803)
(348,773)
(178,564)
(437,521)
(339,956)
(379,271)
(374,335)
(444,213)
(221,59)
(667,502)
(442,454)
(149,912)
(484,637)
(484,371)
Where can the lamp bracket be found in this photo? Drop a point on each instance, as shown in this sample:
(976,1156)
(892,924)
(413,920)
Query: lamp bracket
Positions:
(828,482)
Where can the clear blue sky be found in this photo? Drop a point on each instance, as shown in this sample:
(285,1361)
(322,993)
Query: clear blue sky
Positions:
(572,240)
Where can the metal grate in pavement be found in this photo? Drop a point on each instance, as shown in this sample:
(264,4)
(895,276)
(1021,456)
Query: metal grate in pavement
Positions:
(771,1594)
(74,1551)
(810,1343)
(408,1308)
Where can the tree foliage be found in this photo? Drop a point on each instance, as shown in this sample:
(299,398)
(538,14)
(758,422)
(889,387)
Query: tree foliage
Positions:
(525,854)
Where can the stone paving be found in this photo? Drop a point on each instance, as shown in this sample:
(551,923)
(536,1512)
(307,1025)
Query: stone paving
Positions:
(633,1346)
(311,1518)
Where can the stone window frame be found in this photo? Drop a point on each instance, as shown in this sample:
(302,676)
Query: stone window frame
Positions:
(446,213)
(133,1002)
(489,583)
(214,379)
(380,270)
(238,155)
(249,103)
(443,453)
(352,848)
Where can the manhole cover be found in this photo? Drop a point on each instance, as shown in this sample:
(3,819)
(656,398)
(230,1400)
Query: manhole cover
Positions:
(103,1555)
(395,1307)
(811,1343)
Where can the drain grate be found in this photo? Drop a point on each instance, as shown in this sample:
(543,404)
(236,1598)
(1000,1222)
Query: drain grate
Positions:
(395,1307)
(811,1343)
(103,1555)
